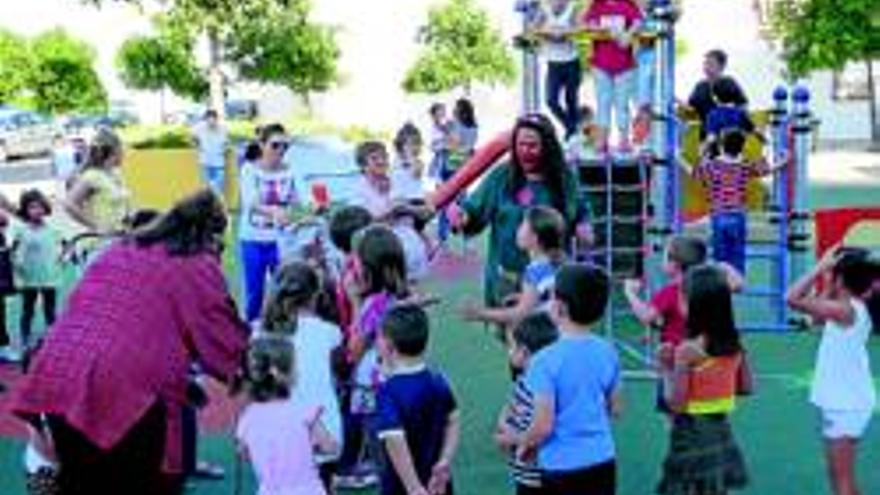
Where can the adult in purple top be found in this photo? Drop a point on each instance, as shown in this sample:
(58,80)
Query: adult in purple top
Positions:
(110,379)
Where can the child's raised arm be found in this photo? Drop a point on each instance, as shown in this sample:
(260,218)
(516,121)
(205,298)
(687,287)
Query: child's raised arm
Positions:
(526,303)
(801,298)
(644,311)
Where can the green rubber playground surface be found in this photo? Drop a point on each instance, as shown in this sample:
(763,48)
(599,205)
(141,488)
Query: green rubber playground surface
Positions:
(777,428)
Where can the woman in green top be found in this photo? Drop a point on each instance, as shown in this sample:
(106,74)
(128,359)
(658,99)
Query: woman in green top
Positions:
(535,175)
(98,199)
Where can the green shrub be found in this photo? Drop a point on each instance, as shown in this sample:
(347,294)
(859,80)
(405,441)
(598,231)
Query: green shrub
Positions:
(180,137)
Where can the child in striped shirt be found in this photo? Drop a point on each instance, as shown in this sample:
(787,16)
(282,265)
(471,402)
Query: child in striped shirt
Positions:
(533,334)
(726,178)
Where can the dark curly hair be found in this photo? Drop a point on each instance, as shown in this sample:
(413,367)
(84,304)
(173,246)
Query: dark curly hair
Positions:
(32,196)
(194,225)
(554,167)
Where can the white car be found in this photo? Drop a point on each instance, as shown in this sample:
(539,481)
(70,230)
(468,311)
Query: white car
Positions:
(24,133)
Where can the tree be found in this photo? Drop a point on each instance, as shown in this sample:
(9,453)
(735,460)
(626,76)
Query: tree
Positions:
(288,50)
(15,65)
(63,76)
(460,48)
(828,34)
(160,62)
(240,27)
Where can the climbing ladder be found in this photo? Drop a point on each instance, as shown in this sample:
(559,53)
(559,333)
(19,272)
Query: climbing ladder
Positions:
(618,191)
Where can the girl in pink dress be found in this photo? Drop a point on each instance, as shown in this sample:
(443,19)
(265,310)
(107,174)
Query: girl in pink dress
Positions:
(280,436)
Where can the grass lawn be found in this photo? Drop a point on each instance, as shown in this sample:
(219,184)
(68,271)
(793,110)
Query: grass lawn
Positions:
(777,428)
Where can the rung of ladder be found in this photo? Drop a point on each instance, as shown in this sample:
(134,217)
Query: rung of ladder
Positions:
(761,292)
(763,254)
(622,250)
(766,327)
(620,219)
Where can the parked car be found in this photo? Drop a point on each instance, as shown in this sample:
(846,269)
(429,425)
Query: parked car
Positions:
(24,133)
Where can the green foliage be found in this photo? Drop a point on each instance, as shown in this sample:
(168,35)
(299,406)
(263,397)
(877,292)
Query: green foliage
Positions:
(826,34)
(157,137)
(284,48)
(63,78)
(460,48)
(154,63)
(178,136)
(15,65)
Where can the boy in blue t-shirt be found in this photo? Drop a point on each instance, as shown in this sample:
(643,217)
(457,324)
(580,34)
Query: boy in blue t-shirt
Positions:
(575,383)
(417,416)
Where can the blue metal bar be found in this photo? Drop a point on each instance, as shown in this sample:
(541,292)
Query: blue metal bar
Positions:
(765,291)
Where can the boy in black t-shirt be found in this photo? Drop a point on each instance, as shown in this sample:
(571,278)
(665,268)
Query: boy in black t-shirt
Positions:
(417,416)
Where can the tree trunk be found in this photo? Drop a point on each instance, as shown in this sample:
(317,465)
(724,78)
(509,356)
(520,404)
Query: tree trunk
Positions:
(872,102)
(215,76)
(162,113)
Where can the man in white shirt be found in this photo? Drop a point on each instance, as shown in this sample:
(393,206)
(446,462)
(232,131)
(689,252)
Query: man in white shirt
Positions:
(211,139)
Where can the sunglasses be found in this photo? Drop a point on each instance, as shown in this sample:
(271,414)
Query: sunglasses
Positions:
(279,145)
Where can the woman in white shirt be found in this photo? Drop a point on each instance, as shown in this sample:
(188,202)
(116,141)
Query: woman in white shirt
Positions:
(843,387)
(268,195)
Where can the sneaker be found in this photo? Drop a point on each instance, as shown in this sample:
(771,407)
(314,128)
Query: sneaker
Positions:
(9,355)
(356,481)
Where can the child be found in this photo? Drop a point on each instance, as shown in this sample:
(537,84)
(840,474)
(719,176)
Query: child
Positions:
(36,252)
(406,178)
(379,280)
(703,455)
(557,22)
(290,312)
(374,190)
(7,286)
(617,21)
(417,419)
(726,179)
(843,388)
(664,309)
(280,435)
(575,383)
(728,115)
(439,143)
(581,146)
(440,137)
(344,224)
(541,234)
(534,333)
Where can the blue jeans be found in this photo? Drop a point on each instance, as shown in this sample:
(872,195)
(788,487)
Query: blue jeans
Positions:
(215,178)
(645,58)
(564,79)
(729,239)
(443,226)
(613,91)
(259,258)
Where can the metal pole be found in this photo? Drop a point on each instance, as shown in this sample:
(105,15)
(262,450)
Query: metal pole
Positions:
(665,130)
(779,137)
(531,86)
(780,206)
(801,120)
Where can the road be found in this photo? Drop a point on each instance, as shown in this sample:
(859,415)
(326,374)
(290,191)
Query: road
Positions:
(18,175)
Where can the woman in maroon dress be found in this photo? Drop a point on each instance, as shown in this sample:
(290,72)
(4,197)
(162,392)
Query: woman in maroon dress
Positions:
(110,379)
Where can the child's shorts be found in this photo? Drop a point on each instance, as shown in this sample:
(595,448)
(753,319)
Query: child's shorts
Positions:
(844,424)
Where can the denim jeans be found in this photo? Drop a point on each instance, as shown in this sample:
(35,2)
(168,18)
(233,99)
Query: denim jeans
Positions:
(443,225)
(564,79)
(729,239)
(215,178)
(646,59)
(259,258)
(614,91)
